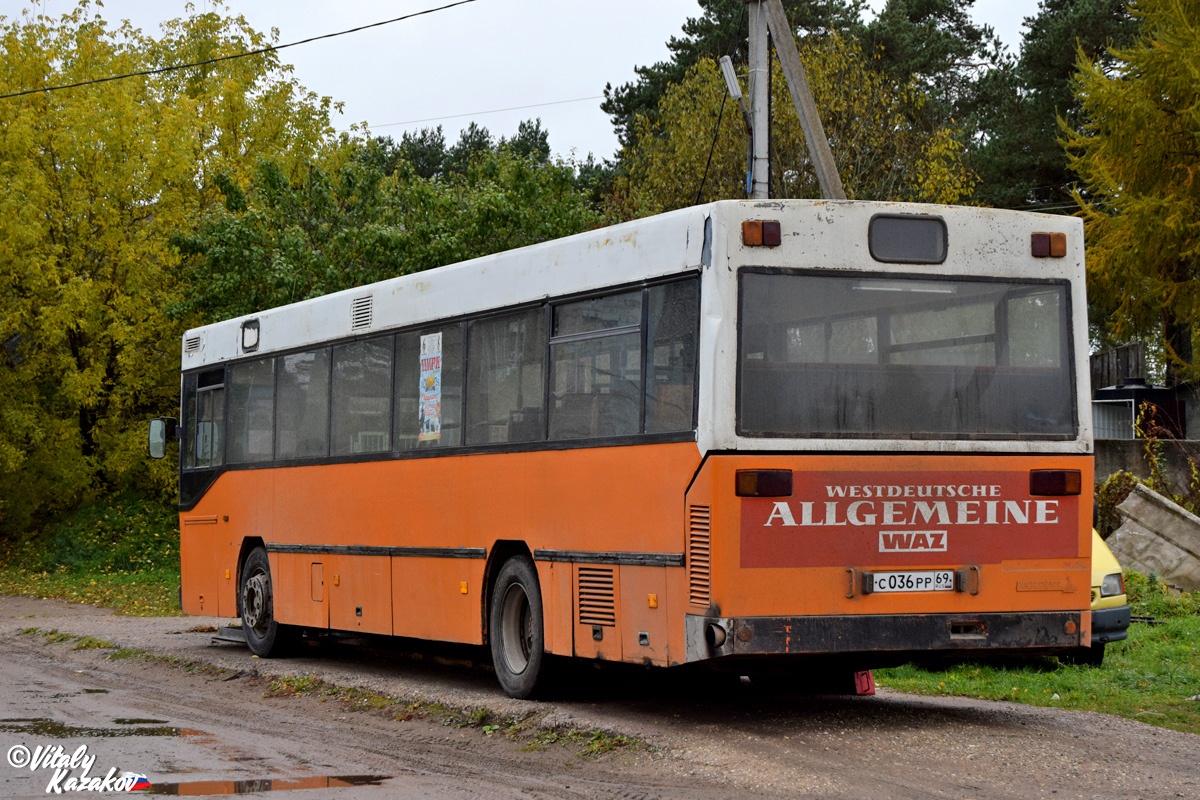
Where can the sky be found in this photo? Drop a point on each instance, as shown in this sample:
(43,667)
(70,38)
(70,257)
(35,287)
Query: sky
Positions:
(495,62)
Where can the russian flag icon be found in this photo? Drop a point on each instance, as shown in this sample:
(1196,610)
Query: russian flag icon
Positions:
(140,782)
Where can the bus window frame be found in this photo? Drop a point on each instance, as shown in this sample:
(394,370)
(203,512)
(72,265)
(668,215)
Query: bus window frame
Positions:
(545,306)
(1066,343)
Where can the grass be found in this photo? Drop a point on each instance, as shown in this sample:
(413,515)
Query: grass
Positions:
(1153,676)
(55,636)
(121,552)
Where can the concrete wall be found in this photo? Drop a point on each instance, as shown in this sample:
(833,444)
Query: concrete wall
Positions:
(1158,537)
(1113,455)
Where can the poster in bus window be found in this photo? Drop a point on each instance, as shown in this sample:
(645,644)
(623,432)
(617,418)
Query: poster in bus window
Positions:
(431,388)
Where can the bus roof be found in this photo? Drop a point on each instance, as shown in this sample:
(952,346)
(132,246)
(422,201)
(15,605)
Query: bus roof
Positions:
(625,253)
(641,250)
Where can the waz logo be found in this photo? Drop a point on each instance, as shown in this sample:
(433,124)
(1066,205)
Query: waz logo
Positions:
(912,541)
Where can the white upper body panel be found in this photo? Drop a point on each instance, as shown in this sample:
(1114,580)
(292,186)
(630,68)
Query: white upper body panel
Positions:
(612,256)
(815,235)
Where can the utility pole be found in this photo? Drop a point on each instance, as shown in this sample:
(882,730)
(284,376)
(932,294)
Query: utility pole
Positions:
(769,15)
(760,103)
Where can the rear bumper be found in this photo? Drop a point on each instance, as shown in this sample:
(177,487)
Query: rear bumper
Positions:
(890,637)
(1110,624)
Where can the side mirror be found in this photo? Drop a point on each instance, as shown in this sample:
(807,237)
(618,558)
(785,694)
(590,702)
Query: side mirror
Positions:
(162,429)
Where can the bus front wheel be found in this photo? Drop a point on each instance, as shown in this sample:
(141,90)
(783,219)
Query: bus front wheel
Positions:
(264,635)
(516,633)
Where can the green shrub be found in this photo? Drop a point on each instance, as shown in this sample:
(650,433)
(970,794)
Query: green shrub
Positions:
(121,550)
(1109,495)
(1151,597)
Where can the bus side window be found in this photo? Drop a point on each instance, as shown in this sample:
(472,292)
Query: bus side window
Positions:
(429,378)
(206,438)
(362,397)
(506,378)
(674,324)
(596,367)
(302,405)
(252,411)
(203,422)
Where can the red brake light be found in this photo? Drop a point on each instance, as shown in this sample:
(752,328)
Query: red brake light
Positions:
(764,483)
(1048,245)
(761,233)
(1055,482)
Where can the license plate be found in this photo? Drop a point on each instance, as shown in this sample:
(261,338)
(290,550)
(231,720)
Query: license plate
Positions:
(941,580)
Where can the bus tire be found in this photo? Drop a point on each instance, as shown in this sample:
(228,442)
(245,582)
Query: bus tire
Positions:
(516,633)
(264,636)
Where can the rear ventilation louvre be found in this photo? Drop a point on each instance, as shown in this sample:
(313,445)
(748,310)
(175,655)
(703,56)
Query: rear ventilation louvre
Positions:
(699,556)
(193,344)
(597,599)
(362,310)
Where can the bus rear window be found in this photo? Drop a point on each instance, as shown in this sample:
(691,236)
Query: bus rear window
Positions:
(885,356)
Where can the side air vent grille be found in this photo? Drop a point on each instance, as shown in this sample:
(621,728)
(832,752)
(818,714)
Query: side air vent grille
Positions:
(699,555)
(597,598)
(193,344)
(362,310)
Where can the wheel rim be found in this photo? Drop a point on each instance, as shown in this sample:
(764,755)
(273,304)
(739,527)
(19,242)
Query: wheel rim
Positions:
(255,601)
(516,629)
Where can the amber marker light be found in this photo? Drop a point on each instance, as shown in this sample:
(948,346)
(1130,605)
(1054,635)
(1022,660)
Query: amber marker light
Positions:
(1055,482)
(1048,245)
(761,233)
(764,483)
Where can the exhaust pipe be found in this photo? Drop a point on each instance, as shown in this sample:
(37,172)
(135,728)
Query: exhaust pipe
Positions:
(714,636)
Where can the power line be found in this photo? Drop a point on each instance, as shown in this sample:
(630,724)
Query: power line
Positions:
(492,111)
(1047,207)
(247,54)
(716,134)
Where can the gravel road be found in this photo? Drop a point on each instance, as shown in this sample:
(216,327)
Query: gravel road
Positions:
(184,728)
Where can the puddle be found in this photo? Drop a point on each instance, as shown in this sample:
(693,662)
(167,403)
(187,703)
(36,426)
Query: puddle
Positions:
(194,788)
(61,730)
(95,691)
(136,721)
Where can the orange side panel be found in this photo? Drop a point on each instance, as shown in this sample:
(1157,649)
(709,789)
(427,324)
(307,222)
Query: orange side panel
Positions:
(610,499)
(557,606)
(674,606)
(644,622)
(428,601)
(597,611)
(203,549)
(296,602)
(360,593)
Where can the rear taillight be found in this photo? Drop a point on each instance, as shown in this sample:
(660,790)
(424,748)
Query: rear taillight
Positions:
(1048,245)
(761,233)
(1055,482)
(764,483)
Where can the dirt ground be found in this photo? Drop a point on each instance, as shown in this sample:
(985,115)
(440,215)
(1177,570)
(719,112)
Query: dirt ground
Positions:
(215,732)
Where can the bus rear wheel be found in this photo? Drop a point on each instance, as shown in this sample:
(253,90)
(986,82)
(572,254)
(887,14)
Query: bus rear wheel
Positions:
(516,632)
(264,635)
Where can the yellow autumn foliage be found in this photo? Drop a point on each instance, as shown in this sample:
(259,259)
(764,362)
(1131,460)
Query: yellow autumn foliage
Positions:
(1139,162)
(874,127)
(98,181)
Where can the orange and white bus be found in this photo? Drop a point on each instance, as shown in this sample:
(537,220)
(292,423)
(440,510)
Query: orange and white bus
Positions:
(762,435)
